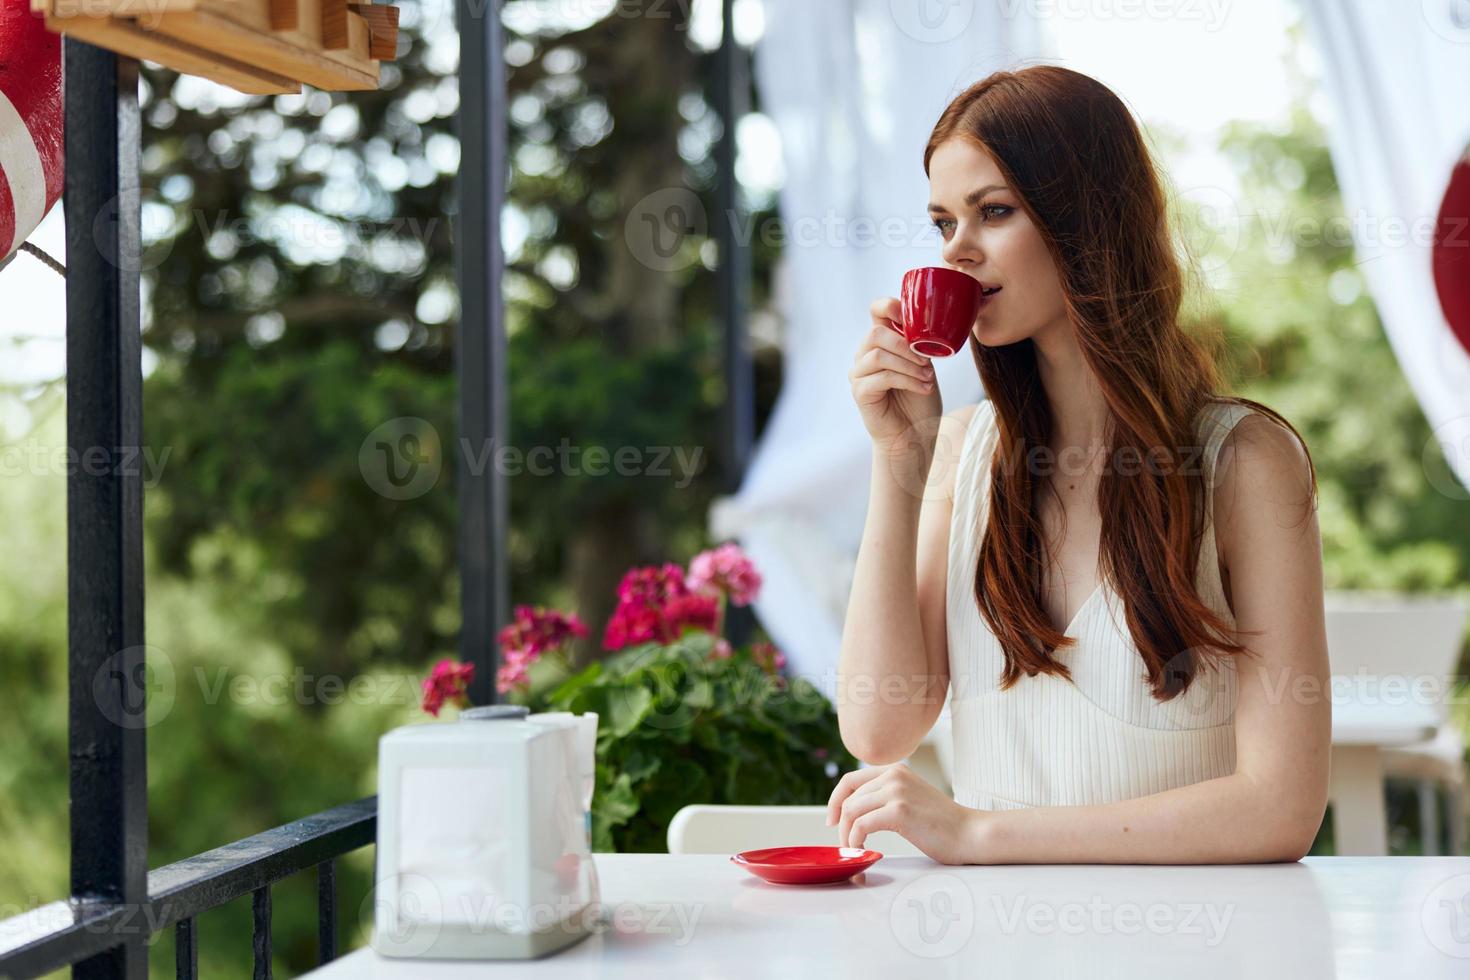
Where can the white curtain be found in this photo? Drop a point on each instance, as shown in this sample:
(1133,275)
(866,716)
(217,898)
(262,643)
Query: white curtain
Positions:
(1397,79)
(854,88)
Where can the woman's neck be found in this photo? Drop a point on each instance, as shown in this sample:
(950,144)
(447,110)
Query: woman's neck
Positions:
(1078,409)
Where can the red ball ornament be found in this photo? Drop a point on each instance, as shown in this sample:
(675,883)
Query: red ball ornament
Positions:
(30,122)
(1452,252)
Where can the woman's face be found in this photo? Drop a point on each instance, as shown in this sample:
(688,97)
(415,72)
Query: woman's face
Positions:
(988,237)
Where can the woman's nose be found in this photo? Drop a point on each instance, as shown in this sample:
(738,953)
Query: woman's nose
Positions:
(960,251)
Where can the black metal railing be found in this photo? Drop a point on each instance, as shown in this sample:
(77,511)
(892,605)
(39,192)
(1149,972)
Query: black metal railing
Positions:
(178,893)
(116,904)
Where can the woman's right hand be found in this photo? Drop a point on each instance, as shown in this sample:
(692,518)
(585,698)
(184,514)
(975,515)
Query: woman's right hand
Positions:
(894,388)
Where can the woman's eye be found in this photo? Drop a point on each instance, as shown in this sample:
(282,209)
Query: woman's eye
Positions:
(989,211)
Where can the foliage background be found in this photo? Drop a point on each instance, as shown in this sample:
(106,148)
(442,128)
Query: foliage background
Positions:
(300,294)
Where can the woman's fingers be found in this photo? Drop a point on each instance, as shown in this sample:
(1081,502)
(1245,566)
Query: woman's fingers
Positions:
(887,309)
(881,817)
(872,387)
(883,367)
(877,358)
(866,800)
(885,337)
(845,787)
(887,332)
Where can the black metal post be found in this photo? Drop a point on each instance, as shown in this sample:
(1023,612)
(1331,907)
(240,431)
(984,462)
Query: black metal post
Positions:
(186,950)
(731,93)
(738,417)
(480,347)
(260,939)
(326,902)
(104,420)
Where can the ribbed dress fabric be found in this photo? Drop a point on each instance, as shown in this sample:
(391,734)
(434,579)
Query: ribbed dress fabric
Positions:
(1102,736)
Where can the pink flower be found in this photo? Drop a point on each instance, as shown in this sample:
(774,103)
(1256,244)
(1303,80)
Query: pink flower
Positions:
(652,585)
(722,650)
(512,674)
(655,605)
(631,625)
(768,657)
(536,630)
(532,632)
(448,682)
(511,677)
(726,569)
(697,611)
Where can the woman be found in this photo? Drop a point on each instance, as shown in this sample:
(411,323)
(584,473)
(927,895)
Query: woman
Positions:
(1113,572)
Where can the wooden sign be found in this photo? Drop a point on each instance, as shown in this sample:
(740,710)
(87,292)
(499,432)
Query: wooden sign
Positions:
(260,47)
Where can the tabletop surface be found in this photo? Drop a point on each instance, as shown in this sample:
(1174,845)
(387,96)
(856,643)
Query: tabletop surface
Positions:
(701,916)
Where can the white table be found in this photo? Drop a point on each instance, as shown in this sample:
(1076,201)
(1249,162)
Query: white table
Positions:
(700,916)
(1360,730)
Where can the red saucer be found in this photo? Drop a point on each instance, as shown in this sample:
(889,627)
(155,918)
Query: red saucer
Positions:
(806,865)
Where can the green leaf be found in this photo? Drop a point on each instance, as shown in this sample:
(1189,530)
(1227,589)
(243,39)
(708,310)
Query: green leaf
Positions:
(754,784)
(679,782)
(619,803)
(562,694)
(641,763)
(626,708)
(701,694)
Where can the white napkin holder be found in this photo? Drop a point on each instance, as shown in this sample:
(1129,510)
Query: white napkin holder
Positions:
(484,836)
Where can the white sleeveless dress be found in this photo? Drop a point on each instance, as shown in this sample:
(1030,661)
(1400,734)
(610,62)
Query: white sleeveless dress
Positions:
(1100,737)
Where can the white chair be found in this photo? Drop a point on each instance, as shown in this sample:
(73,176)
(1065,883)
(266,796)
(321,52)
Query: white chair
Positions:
(709,828)
(1408,646)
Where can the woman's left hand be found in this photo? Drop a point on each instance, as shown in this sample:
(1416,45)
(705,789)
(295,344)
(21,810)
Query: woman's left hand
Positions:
(896,798)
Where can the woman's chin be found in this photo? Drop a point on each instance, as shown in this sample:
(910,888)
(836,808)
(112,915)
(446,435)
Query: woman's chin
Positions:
(989,336)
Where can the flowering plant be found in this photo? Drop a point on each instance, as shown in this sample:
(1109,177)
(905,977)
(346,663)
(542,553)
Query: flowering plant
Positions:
(684,716)
(662,604)
(449,682)
(533,633)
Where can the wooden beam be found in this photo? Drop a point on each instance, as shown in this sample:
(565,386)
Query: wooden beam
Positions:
(255,14)
(284,15)
(255,46)
(382,24)
(272,52)
(334,24)
(140,9)
(126,37)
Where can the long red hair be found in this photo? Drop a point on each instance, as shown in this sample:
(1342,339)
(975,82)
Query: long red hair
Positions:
(1075,156)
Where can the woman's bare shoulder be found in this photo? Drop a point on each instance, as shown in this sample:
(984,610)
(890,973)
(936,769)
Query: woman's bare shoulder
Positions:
(952,429)
(1264,480)
(959,419)
(964,414)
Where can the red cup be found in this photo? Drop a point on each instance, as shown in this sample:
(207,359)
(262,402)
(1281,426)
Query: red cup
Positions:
(939,309)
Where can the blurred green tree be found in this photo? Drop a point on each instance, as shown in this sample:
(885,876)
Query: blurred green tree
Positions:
(302,295)
(1303,335)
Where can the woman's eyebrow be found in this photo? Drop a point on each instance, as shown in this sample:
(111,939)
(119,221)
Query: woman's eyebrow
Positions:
(971,197)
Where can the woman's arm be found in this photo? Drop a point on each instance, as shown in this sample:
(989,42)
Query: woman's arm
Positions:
(893,668)
(1269,809)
